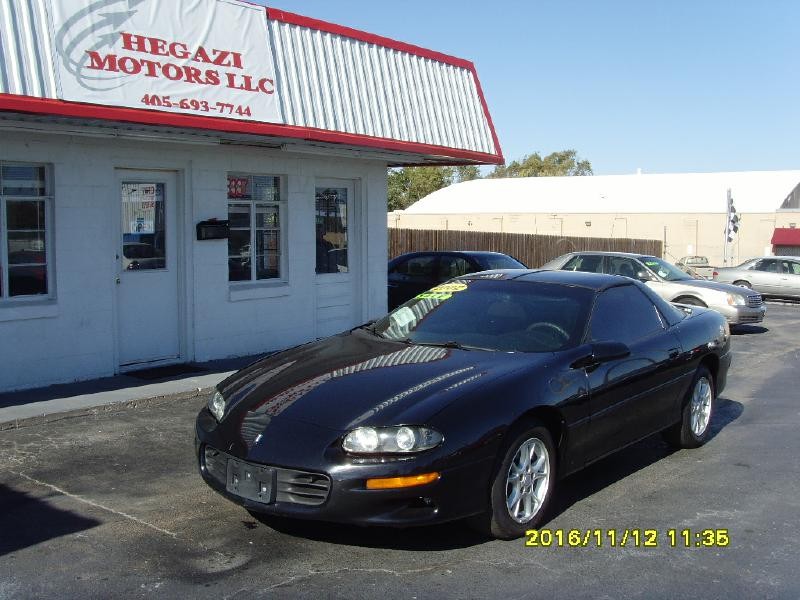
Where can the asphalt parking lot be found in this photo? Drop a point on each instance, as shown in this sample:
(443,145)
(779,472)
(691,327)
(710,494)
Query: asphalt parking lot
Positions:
(112,506)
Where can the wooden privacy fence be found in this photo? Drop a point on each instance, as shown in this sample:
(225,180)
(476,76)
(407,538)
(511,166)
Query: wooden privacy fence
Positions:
(532,249)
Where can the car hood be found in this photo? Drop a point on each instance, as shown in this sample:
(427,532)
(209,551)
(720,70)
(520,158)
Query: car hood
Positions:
(357,379)
(728,288)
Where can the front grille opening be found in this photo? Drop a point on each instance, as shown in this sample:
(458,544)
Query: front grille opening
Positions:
(298,487)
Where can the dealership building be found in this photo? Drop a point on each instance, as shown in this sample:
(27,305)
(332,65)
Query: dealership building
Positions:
(190,180)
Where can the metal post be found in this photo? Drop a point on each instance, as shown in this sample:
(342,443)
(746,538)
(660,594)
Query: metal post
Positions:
(727,229)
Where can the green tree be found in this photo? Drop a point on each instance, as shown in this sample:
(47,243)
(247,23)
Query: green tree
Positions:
(467,173)
(555,164)
(409,184)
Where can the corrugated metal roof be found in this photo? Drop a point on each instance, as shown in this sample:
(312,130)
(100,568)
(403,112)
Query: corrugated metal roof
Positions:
(332,82)
(328,79)
(26,55)
(753,192)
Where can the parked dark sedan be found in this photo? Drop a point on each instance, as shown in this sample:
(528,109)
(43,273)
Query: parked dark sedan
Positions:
(472,399)
(414,272)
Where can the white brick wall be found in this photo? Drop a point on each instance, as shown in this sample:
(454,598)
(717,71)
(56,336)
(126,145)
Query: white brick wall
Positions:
(75,336)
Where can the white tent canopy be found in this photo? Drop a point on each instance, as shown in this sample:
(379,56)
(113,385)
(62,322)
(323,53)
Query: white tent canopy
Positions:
(753,192)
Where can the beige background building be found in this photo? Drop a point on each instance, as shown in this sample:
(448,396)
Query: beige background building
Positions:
(687,211)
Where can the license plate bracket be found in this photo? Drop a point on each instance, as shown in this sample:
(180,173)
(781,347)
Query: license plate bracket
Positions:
(253,482)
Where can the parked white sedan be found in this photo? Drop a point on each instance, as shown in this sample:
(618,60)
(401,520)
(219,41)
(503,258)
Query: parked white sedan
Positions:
(777,276)
(737,304)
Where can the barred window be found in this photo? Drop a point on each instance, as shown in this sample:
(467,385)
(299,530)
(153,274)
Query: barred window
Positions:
(256,213)
(25,233)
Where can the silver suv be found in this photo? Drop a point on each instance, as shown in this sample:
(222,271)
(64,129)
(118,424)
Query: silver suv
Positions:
(738,305)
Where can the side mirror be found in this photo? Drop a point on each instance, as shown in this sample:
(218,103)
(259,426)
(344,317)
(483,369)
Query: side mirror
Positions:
(644,276)
(601,352)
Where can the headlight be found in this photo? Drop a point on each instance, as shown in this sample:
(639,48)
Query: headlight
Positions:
(736,300)
(217,406)
(391,440)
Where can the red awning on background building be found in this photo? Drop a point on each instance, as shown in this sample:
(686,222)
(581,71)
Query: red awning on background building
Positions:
(784,236)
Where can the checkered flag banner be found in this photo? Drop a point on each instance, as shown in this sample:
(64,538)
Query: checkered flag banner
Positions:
(732,226)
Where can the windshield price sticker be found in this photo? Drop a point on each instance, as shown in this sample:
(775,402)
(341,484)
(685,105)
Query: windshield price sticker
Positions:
(627,538)
(434,295)
(450,287)
(657,267)
(442,292)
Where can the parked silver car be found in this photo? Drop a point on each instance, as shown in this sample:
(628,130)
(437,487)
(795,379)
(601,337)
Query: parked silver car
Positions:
(777,276)
(737,304)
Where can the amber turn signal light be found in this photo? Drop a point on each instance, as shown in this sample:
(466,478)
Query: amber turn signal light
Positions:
(390,483)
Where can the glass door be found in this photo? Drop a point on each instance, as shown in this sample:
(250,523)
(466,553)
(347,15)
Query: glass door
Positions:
(147,283)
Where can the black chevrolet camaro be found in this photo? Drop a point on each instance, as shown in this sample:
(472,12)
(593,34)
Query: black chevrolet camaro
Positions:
(471,400)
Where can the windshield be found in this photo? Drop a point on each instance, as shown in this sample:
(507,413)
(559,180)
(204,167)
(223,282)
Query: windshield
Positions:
(509,316)
(664,269)
(501,261)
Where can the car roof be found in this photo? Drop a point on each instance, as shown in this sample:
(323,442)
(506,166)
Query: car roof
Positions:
(592,281)
(605,253)
(467,252)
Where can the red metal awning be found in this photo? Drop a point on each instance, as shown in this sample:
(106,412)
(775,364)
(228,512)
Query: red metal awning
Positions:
(784,236)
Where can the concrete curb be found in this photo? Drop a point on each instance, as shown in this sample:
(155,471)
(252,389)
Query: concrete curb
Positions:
(111,407)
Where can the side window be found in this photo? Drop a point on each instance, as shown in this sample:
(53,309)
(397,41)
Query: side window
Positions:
(623,314)
(588,263)
(671,313)
(454,266)
(768,265)
(417,268)
(331,229)
(256,213)
(627,267)
(788,266)
(26,233)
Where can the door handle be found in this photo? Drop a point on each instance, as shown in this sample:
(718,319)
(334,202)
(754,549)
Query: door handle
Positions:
(118,281)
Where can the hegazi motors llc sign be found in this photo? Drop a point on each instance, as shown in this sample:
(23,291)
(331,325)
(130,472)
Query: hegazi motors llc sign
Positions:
(166,56)
(232,77)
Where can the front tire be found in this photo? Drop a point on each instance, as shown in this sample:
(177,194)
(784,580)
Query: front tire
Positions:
(693,429)
(523,484)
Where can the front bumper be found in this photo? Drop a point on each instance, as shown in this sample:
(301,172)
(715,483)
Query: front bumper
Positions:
(740,315)
(461,491)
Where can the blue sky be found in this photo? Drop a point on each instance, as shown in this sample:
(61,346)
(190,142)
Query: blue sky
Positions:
(665,86)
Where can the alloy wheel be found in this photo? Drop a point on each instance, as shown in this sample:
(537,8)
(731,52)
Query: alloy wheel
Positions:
(528,480)
(701,406)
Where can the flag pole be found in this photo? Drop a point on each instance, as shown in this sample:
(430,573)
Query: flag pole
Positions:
(727,229)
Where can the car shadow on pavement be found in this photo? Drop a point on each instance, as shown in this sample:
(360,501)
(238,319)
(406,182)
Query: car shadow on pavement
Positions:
(624,463)
(26,521)
(748,329)
(447,536)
